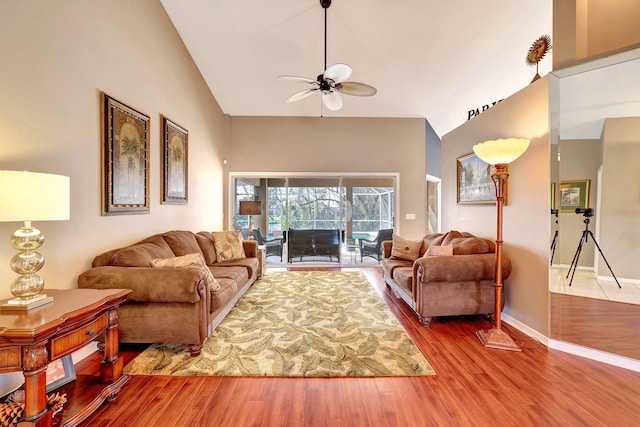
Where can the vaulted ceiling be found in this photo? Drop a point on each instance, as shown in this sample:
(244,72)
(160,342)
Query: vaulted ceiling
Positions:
(433,59)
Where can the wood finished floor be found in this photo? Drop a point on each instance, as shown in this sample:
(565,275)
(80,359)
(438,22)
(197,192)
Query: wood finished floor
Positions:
(474,386)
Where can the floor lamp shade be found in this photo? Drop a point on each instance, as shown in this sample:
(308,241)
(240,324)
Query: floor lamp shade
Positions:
(27,197)
(250,207)
(499,153)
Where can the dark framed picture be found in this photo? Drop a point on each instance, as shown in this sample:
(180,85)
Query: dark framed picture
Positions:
(474,183)
(175,165)
(125,159)
(574,195)
(60,372)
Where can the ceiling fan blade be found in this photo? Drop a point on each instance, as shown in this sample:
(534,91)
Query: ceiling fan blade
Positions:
(332,100)
(338,72)
(298,78)
(301,95)
(357,89)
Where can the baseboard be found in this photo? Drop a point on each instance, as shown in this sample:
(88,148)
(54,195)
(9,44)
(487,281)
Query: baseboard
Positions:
(525,329)
(600,356)
(577,350)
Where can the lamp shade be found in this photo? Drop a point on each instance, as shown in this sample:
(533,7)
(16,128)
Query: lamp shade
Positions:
(250,207)
(31,196)
(501,151)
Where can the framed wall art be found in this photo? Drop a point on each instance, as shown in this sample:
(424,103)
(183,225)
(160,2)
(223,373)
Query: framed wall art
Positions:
(175,165)
(125,159)
(474,183)
(574,195)
(60,372)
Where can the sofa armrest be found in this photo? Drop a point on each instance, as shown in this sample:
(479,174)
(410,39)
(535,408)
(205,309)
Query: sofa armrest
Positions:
(387,245)
(182,285)
(250,248)
(459,268)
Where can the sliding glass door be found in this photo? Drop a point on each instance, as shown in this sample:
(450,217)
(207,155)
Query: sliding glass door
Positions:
(316,219)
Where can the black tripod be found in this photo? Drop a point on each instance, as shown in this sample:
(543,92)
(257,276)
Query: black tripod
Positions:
(585,233)
(555,236)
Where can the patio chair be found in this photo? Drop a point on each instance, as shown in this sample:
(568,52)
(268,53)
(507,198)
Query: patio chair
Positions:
(372,248)
(273,246)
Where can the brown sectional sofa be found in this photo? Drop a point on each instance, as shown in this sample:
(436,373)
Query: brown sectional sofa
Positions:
(461,284)
(172,305)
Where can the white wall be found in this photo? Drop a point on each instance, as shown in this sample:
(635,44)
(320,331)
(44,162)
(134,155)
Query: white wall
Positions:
(526,216)
(55,59)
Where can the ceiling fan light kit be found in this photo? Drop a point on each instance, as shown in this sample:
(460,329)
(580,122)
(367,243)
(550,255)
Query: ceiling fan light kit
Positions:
(332,81)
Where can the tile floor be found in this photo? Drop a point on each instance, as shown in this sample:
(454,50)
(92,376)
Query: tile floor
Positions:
(586,284)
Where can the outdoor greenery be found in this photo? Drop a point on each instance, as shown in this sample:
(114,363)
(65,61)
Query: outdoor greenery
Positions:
(323,207)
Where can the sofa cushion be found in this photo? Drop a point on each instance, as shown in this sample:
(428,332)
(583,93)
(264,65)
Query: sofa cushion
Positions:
(435,239)
(405,249)
(141,254)
(195,261)
(390,264)
(403,277)
(466,243)
(228,245)
(182,242)
(446,250)
(221,296)
(208,248)
(237,273)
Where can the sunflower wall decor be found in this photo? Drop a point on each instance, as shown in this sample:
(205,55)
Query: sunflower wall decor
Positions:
(537,51)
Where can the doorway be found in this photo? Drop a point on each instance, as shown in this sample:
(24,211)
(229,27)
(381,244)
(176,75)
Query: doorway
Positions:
(317,220)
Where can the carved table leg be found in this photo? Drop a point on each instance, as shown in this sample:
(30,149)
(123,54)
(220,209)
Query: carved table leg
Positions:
(34,368)
(112,366)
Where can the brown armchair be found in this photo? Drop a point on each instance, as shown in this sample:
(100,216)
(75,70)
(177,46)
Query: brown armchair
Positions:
(372,248)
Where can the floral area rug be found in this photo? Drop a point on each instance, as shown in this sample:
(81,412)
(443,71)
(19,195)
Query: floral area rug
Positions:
(310,324)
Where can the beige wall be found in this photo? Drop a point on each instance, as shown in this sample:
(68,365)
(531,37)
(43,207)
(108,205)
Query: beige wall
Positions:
(55,59)
(526,217)
(619,225)
(583,29)
(338,145)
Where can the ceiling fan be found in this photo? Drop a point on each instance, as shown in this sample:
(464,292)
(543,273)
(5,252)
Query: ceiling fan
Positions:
(332,81)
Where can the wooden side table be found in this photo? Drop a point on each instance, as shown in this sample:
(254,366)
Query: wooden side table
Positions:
(30,340)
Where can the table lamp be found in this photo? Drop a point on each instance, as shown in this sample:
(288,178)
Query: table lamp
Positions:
(30,196)
(499,153)
(250,207)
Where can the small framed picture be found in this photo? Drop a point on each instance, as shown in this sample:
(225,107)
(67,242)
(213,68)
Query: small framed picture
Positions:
(60,372)
(175,165)
(574,195)
(125,159)
(474,182)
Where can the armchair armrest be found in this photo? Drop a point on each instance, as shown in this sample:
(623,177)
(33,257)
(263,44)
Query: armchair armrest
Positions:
(367,242)
(459,268)
(149,284)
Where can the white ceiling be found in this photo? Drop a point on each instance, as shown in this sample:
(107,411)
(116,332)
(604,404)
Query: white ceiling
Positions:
(435,59)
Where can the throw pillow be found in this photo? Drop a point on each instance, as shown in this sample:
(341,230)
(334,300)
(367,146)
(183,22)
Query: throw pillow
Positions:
(194,261)
(405,249)
(446,250)
(228,245)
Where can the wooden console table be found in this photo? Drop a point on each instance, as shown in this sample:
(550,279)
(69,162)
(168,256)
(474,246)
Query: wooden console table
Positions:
(30,340)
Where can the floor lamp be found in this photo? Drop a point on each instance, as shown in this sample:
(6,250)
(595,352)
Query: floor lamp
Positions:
(499,153)
(250,208)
